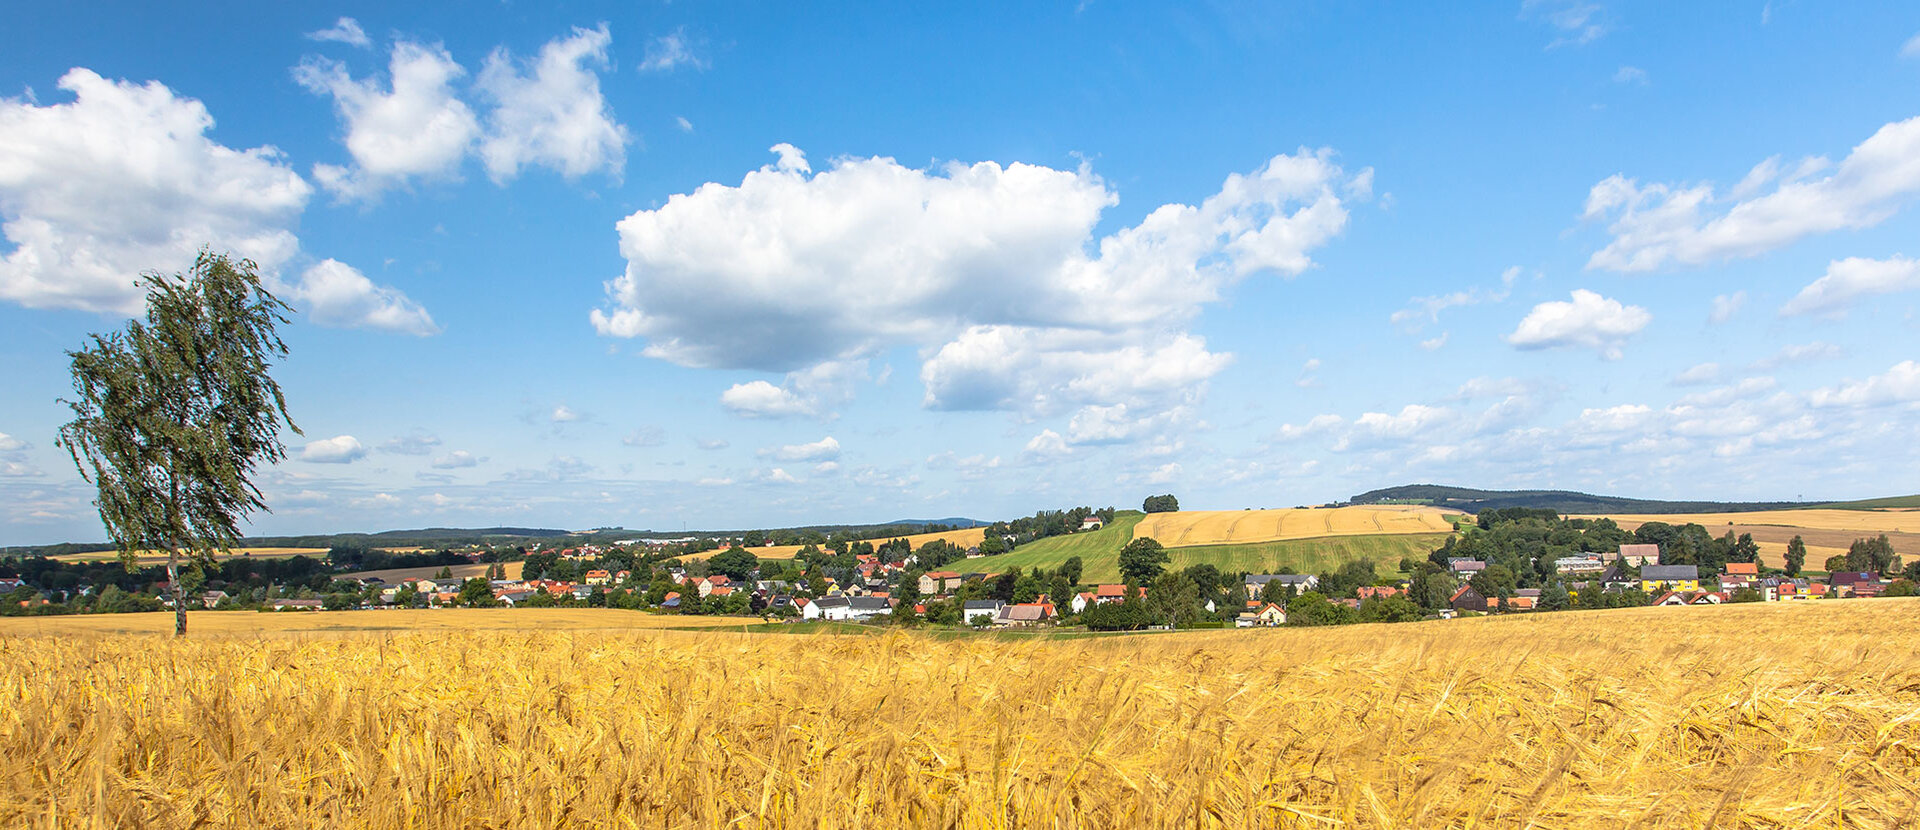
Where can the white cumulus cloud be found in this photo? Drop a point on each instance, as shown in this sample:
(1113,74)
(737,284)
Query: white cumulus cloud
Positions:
(554,115)
(455,460)
(411,126)
(335,294)
(340,449)
(1899,384)
(1847,280)
(825,449)
(1588,321)
(760,399)
(124,179)
(347,30)
(992,270)
(1657,224)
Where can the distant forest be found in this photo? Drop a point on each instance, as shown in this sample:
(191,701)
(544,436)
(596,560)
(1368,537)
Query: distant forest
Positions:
(1469,500)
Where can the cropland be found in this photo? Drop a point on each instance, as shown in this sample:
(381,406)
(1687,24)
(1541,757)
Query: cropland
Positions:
(1825,531)
(1228,527)
(393,575)
(159,557)
(966,537)
(1292,540)
(1547,720)
(423,620)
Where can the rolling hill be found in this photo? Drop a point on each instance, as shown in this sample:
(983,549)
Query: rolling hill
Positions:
(1299,540)
(1471,500)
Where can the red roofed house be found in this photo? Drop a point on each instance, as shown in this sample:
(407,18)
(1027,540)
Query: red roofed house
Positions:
(935,583)
(1381,591)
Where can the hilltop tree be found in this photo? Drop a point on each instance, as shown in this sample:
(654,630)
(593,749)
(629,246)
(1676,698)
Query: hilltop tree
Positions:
(1142,560)
(1161,504)
(173,414)
(1796,556)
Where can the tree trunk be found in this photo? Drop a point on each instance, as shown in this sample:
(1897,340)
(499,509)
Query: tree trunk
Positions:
(179,595)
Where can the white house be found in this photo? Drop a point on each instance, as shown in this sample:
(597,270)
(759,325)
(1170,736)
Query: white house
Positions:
(977,607)
(1297,584)
(836,609)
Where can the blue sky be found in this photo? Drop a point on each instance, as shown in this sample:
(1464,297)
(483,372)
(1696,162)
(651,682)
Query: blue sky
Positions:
(720,265)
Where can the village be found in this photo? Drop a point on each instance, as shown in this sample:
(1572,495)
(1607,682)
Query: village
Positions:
(898,589)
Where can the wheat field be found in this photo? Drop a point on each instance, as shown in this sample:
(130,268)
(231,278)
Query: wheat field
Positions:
(1883,520)
(1548,721)
(1223,527)
(154,557)
(966,537)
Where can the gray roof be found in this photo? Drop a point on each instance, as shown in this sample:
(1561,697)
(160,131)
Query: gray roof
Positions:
(832,602)
(1670,571)
(982,605)
(869,604)
(1284,579)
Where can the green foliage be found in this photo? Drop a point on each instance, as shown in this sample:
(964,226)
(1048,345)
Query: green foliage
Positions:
(1161,504)
(1745,594)
(475,593)
(737,563)
(1900,588)
(1131,615)
(1494,582)
(1313,608)
(1142,559)
(1873,556)
(1071,569)
(1796,556)
(173,414)
(1391,609)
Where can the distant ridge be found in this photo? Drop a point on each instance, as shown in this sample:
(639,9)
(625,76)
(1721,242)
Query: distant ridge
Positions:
(1470,500)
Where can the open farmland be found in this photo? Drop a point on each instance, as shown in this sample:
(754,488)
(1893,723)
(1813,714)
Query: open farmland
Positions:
(153,557)
(392,575)
(1230,527)
(1334,536)
(1304,556)
(967,537)
(1549,720)
(1826,531)
(423,620)
(1098,550)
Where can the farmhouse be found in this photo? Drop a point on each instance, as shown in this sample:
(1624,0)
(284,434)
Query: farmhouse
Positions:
(1026,613)
(1465,567)
(1467,599)
(1685,578)
(1092,523)
(978,607)
(1269,614)
(295,605)
(1295,583)
(1640,556)
(937,583)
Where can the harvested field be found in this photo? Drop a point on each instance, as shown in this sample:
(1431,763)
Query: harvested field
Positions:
(1825,532)
(391,575)
(409,620)
(1860,522)
(1229,527)
(1550,720)
(160,558)
(964,538)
